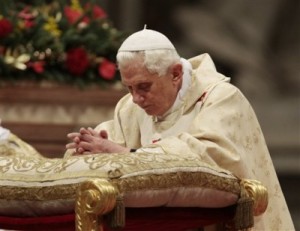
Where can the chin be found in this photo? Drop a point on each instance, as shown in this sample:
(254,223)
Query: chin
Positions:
(150,112)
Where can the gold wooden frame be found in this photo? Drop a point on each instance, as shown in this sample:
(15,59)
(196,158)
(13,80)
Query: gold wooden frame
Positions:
(97,197)
(94,198)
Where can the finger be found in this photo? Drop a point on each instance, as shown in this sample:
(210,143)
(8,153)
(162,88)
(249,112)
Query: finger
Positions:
(84,147)
(84,131)
(73,135)
(104,134)
(76,140)
(86,137)
(80,150)
(92,131)
(71,145)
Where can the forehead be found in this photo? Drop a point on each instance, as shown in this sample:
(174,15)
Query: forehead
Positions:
(136,74)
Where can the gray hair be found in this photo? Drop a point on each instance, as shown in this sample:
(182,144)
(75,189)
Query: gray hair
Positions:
(156,61)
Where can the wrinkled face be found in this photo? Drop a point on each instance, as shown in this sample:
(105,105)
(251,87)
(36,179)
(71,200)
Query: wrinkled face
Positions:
(155,94)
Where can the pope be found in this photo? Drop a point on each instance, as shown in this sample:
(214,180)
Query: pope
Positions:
(178,106)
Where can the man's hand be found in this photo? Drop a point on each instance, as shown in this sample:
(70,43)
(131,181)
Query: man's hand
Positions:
(88,141)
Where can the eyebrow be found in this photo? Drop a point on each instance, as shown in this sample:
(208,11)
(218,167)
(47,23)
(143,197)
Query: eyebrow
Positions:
(138,83)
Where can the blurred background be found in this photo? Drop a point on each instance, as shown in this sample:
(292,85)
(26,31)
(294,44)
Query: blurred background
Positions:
(256,43)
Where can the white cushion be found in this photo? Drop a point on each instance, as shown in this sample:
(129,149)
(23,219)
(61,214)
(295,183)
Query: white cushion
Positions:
(34,186)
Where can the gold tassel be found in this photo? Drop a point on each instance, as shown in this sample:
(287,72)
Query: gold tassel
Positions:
(116,218)
(244,216)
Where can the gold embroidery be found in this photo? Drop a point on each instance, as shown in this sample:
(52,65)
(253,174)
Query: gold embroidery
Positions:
(5,150)
(41,193)
(177,179)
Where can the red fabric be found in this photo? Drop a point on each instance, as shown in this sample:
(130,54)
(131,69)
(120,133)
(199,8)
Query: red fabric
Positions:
(146,219)
(50,223)
(175,219)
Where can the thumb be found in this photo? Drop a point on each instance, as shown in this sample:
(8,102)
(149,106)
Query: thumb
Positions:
(103,134)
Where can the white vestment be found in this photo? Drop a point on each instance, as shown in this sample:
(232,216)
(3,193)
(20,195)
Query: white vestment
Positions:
(214,121)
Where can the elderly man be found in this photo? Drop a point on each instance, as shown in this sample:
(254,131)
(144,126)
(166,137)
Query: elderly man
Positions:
(185,106)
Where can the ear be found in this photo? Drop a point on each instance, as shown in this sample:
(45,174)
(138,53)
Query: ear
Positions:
(177,72)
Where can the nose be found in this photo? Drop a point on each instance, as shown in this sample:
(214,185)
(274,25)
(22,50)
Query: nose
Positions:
(137,98)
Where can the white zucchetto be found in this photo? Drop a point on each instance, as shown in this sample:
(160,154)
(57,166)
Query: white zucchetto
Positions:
(146,40)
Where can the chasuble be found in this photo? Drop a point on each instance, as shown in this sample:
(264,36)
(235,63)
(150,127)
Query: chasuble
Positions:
(213,120)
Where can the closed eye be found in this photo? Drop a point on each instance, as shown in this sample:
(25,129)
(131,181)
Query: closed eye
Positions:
(140,88)
(144,87)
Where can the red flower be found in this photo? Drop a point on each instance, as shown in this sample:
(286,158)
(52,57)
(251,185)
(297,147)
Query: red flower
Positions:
(26,14)
(97,11)
(37,66)
(5,27)
(27,17)
(29,23)
(107,69)
(74,15)
(77,61)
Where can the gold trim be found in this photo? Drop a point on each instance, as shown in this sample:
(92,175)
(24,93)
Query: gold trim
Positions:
(177,179)
(41,193)
(94,198)
(133,183)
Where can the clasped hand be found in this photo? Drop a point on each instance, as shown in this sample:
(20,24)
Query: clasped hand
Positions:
(88,141)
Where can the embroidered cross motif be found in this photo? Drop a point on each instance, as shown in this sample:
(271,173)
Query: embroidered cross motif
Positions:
(154,141)
(202,97)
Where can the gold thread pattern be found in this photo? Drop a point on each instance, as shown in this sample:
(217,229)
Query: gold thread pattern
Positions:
(44,193)
(178,179)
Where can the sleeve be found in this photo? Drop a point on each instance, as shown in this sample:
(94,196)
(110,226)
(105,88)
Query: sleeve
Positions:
(123,129)
(112,127)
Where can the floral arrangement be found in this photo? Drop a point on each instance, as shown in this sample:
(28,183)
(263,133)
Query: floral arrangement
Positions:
(68,42)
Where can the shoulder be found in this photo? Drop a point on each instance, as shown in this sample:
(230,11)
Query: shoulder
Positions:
(124,102)
(222,88)
(225,93)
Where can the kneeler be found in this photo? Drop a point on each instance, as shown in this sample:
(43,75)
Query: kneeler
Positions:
(145,191)
(147,219)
